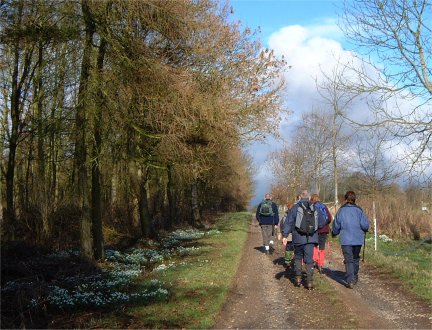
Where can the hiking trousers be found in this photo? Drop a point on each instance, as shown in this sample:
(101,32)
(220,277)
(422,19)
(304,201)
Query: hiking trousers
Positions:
(268,232)
(351,255)
(322,239)
(304,252)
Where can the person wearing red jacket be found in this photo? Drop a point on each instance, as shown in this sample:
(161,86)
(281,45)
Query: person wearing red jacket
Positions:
(319,250)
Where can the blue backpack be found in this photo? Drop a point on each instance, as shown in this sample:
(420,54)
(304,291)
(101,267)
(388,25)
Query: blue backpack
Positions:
(322,208)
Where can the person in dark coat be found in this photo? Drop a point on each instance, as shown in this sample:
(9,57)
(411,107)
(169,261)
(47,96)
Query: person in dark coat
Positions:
(351,224)
(267,215)
(303,244)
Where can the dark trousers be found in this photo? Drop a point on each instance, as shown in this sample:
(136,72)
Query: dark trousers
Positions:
(322,239)
(352,262)
(304,252)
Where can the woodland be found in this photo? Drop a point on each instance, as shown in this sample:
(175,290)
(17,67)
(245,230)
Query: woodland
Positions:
(125,124)
(131,117)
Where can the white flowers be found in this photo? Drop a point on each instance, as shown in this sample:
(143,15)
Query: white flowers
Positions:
(385,238)
(115,282)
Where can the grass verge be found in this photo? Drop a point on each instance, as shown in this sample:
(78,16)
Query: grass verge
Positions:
(197,283)
(406,261)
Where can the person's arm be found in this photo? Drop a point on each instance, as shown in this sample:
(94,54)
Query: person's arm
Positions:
(329,215)
(275,214)
(364,222)
(257,213)
(289,221)
(336,224)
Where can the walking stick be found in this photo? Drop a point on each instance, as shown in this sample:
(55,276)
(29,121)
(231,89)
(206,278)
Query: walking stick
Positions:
(364,246)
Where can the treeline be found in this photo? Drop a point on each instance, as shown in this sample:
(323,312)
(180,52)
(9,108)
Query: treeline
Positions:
(129,114)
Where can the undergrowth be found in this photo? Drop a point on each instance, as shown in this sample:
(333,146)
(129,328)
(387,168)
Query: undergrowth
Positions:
(186,275)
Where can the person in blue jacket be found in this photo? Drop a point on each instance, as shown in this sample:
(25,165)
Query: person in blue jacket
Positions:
(267,215)
(303,244)
(351,224)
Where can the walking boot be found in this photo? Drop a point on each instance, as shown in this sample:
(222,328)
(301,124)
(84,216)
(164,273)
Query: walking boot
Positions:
(309,276)
(355,279)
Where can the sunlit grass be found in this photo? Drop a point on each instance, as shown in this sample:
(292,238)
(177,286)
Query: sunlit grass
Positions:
(115,283)
(405,260)
(199,285)
(181,281)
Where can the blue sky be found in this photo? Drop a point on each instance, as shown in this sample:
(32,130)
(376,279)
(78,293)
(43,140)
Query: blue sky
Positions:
(306,33)
(272,15)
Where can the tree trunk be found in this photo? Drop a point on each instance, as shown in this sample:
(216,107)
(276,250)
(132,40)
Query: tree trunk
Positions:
(170,197)
(335,168)
(96,172)
(196,218)
(10,216)
(40,186)
(3,125)
(81,144)
(54,136)
(144,214)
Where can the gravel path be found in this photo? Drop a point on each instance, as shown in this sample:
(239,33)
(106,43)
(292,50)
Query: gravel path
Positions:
(263,296)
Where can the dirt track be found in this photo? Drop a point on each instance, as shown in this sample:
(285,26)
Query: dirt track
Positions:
(264,297)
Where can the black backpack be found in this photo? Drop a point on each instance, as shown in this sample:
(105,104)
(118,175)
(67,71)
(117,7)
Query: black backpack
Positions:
(266,208)
(306,219)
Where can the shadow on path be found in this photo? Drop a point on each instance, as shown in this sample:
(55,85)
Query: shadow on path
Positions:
(336,275)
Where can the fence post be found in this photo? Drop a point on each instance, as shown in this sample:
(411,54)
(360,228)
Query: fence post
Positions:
(375,225)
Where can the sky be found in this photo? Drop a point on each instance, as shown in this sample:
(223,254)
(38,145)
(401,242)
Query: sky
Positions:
(307,34)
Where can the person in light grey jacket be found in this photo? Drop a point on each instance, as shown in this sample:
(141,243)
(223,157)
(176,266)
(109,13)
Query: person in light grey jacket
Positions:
(351,224)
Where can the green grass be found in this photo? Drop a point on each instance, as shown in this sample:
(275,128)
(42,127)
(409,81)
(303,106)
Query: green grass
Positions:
(198,285)
(412,266)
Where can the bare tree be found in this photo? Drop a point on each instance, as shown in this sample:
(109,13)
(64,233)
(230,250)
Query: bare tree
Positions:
(378,169)
(338,100)
(398,34)
(288,168)
(314,133)
(394,39)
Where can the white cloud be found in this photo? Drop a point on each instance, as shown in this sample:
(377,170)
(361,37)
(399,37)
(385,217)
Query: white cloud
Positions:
(308,50)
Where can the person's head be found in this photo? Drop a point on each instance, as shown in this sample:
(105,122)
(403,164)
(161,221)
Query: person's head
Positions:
(350,197)
(267,196)
(304,194)
(314,198)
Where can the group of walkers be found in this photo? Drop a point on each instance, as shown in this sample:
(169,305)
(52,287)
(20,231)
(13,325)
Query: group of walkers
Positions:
(304,229)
